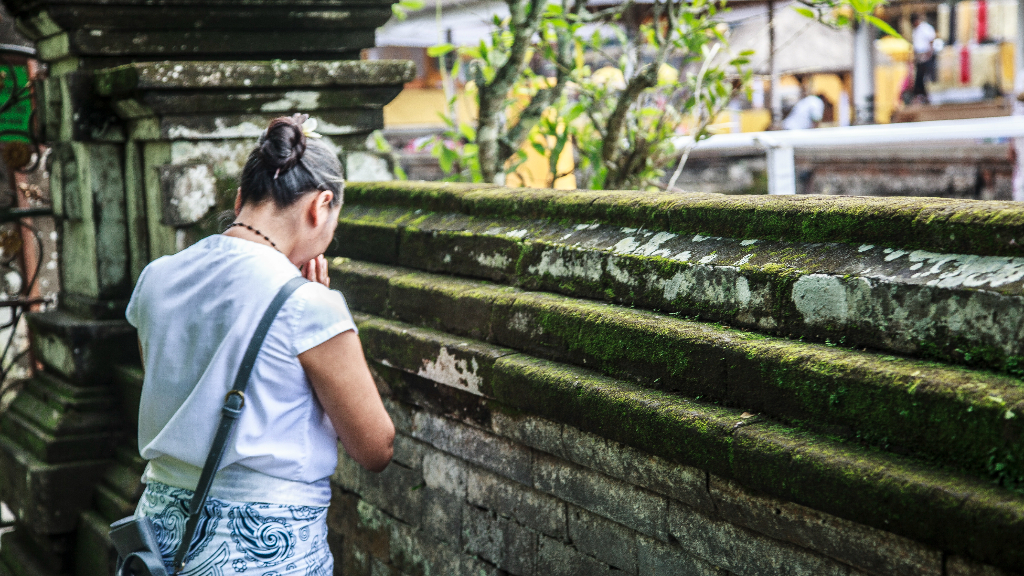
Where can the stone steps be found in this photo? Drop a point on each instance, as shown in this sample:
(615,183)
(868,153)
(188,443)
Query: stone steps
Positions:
(870,486)
(947,414)
(900,297)
(856,356)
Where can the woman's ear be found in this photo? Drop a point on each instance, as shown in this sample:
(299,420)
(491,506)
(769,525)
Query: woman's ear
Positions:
(320,207)
(238,201)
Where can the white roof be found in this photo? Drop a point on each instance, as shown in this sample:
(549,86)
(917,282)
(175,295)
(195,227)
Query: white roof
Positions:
(802,45)
(469,22)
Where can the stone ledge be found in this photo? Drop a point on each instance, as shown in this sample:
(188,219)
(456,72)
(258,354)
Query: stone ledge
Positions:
(912,302)
(251,75)
(878,489)
(889,492)
(949,414)
(958,226)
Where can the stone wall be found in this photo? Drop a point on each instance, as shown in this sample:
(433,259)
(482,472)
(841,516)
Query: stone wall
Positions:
(599,382)
(975,170)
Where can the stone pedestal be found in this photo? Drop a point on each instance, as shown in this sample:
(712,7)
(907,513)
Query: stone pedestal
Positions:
(189,127)
(151,109)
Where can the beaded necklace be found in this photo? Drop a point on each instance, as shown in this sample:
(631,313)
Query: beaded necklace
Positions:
(251,229)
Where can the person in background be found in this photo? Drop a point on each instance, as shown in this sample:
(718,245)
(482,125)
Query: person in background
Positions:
(923,40)
(806,113)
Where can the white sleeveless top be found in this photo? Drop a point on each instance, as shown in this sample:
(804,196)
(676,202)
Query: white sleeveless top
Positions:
(196,312)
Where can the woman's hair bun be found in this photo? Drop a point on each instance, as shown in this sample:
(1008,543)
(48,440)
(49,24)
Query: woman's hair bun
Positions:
(284,165)
(283,143)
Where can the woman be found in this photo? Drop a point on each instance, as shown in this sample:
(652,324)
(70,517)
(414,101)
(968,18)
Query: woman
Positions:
(195,313)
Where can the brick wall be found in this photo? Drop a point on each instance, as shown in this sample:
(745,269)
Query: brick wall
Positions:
(561,411)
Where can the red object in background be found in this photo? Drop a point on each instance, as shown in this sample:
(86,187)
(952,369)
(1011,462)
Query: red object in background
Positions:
(965,65)
(982,20)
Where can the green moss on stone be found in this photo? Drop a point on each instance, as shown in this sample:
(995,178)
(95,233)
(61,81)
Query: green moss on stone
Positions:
(959,226)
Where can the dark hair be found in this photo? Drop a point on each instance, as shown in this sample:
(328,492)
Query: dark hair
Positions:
(286,165)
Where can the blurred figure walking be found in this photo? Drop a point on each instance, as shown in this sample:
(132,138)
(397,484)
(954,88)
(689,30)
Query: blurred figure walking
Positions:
(923,40)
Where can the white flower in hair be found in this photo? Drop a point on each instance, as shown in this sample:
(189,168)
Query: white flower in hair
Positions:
(309,127)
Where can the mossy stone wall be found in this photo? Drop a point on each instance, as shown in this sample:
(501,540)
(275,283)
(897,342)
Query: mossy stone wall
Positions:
(851,360)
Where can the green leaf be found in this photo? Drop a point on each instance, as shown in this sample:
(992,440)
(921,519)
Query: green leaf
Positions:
(882,25)
(439,50)
(805,12)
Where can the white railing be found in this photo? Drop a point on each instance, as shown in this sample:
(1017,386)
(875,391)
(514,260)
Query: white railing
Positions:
(779,146)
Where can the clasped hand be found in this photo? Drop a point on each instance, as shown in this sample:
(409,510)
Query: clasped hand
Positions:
(316,271)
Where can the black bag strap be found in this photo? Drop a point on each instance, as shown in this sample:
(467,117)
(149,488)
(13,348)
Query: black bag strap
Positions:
(233,402)
(151,564)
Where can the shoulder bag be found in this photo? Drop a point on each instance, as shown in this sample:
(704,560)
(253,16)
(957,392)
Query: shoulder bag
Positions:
(134,537)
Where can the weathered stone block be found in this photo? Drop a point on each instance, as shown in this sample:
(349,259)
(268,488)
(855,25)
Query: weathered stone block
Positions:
(506,544)
(364,285)
(609,542)
(459,252)
(445,473)
(359,530)
(47,447)
(448,304)
(397,490)
(94,553)
(626,504)
(21,555)
(684,483)
(349,473)
(491,452)
(95,252)
(960,566)
(745,552)
(555,558)
(527,506)
(866,548)
(60,408)
(79,349)
(539,433)
(401,415)
(112,505)
(427,395)
(252,75)
(128,380)
(371,243)
(436,356)
(188,191)
(48,497)
(442,516)
(408,452)
(471,566)
(654,557)
(379,568)
(416,553)
(444,496)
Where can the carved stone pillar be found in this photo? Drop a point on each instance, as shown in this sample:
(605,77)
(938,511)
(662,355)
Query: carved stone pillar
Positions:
(150,109)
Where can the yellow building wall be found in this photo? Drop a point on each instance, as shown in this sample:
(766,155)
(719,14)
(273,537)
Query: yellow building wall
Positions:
(535,172)
(424,107)
(889,81)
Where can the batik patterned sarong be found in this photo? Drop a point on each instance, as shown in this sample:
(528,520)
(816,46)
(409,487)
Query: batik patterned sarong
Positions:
(237,537)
